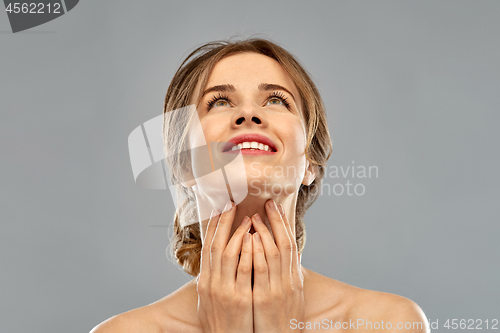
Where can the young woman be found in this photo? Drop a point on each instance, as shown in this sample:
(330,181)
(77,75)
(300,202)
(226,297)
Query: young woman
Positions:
(255,98)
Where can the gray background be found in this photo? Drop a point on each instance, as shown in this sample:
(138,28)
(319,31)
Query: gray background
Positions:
(410,86)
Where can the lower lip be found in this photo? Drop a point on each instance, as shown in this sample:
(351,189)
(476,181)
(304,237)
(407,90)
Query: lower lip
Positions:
(250,152)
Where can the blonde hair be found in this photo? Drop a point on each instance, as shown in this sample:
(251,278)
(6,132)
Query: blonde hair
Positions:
(186,242)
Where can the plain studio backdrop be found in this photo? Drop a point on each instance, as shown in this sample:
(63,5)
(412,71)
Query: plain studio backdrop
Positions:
(410,87)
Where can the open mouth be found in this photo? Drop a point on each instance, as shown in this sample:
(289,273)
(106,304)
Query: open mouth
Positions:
(250,142)
(251,146)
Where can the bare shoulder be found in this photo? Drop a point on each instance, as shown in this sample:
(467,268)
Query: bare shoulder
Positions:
(171,314)
(402,313)
(137,320)
(344,303)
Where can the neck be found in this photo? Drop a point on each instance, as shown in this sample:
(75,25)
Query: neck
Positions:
(254,204)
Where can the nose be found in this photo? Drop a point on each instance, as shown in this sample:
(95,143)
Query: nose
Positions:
(254,119)
(248,115)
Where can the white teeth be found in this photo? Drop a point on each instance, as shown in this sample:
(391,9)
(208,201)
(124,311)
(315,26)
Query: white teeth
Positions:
(251,145)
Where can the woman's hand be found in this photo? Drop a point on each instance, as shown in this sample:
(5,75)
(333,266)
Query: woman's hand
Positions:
(278,295)
(224,285)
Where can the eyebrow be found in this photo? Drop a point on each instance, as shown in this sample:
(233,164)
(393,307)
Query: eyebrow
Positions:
(231,88)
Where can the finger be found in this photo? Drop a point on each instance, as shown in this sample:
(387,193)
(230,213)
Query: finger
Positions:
(291,231)
(221,236)
(244,273)
(210,227)
(260,266)
(295,254)
(233,249)
(271,252)
(278,226)
(283,239)
(206,223)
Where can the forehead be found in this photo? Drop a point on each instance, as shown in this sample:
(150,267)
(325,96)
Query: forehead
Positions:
(248,70)
(249,66)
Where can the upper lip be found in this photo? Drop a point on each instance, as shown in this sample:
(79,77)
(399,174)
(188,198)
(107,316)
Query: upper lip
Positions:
(250,137)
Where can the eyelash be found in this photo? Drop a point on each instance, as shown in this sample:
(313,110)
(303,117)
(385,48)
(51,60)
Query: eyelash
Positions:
(274,94)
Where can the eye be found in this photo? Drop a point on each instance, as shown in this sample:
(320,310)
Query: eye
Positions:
(275,100)
(218,101)
(278,98)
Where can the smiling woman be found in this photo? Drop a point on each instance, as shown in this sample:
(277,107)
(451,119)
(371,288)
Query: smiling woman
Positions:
(254,101)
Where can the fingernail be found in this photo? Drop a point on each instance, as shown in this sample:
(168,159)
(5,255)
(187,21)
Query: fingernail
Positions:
(257,237)
(257,218)
(282,211)
(246,238)
(272,205)
(229,206)
(246,219)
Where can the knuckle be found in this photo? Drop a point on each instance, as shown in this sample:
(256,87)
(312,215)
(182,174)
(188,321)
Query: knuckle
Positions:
(202,288)
(246,250)
(238,302)
(261,268)
(214,248)
(245,301)
(288,246)
(258,249)
(227,255)
(205,289)
(275,254)
(245,269)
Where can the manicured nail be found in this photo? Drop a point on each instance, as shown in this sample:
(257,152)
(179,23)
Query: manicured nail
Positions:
(246,238)
(257,218)
(282,211)
(229,206)
(272,205)
(245,220)
(257,237)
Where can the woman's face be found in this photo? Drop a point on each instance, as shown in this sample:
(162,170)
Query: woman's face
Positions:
(251,105)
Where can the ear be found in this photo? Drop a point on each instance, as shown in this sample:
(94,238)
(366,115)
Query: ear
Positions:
(310,174)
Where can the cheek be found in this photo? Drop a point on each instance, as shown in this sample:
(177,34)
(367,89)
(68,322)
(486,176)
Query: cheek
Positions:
(294,140)
(214,129)
(295,137)
(209,128)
